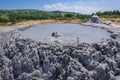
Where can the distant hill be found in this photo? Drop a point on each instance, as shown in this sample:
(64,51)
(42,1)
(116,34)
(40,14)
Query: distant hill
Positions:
(33,14)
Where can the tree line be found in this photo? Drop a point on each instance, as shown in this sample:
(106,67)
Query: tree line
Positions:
(109,14)
(32,14)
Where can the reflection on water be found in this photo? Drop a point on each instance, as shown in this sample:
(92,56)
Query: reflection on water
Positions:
(69,32)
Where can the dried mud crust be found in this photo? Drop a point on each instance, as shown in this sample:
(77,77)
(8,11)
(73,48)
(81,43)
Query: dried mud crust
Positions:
(25,59)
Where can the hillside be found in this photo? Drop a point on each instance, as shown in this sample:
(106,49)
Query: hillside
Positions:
(110,15)
(22,15)
(32,14)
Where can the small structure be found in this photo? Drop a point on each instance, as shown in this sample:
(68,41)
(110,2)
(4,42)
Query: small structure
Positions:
(94,19)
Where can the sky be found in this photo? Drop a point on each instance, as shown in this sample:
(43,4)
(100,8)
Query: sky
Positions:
(79,6)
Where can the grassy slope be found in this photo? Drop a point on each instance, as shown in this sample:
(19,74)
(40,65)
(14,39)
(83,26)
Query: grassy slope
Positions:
(32,16)
(23,15)
(111,19)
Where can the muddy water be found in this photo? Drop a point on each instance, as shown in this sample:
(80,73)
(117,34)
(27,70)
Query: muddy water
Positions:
(69,32)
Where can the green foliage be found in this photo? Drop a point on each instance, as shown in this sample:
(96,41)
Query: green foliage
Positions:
(109,14)
(32,14)
(4,18)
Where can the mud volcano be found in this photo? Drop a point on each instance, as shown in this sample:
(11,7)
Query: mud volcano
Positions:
(27,59)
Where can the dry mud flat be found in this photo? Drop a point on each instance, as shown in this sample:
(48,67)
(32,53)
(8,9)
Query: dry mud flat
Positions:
(25,59)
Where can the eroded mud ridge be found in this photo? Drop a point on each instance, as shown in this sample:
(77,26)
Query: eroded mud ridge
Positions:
(25,59)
